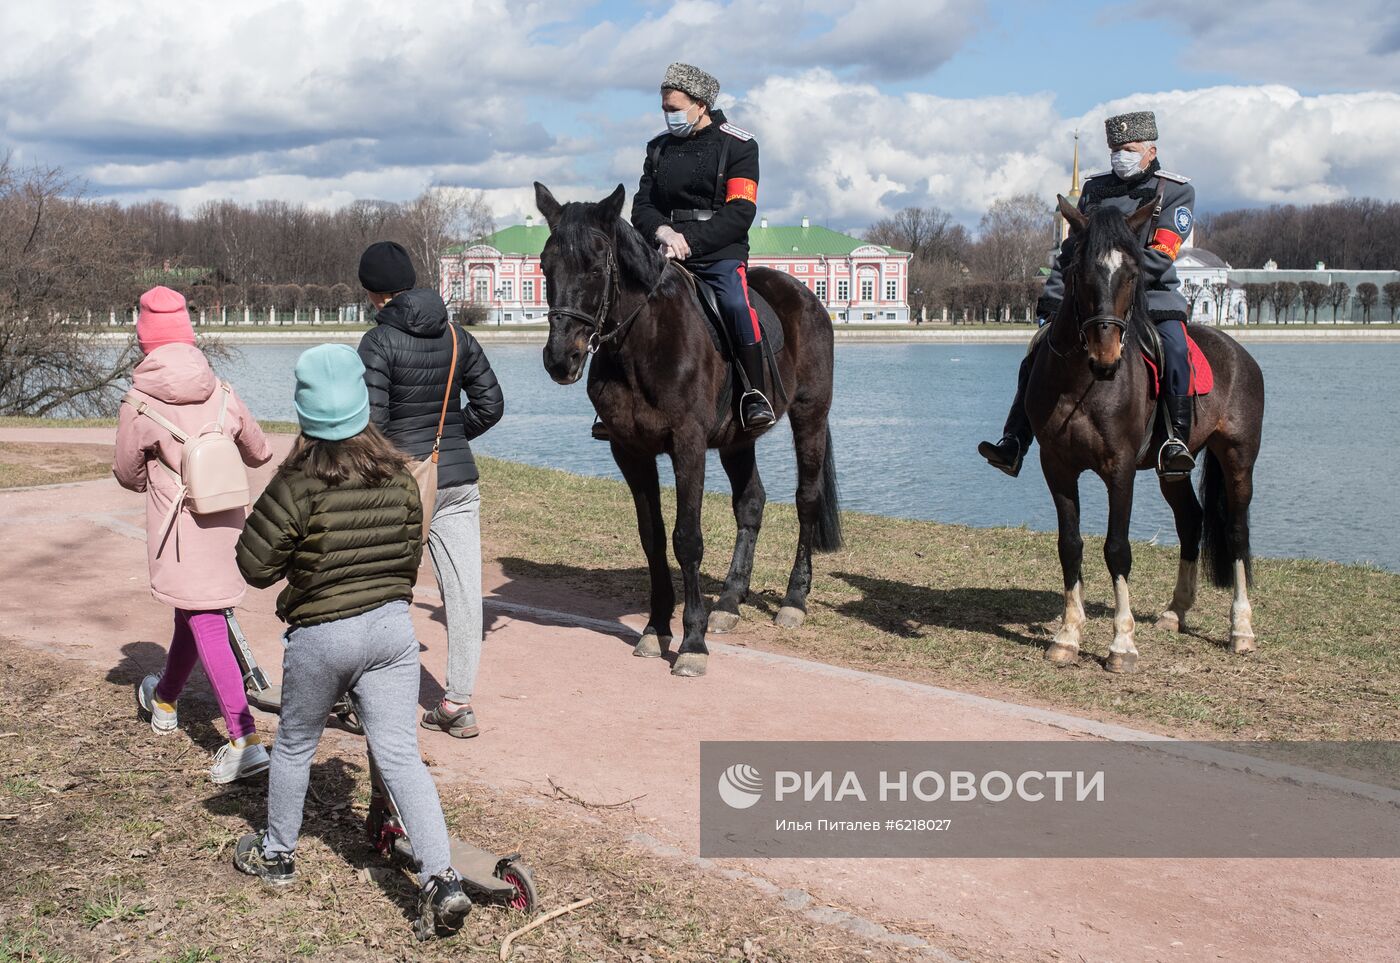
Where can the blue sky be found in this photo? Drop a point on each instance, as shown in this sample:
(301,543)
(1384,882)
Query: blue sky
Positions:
(859,108)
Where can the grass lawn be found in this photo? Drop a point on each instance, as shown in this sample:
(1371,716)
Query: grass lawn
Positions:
(973,609)
(119,847)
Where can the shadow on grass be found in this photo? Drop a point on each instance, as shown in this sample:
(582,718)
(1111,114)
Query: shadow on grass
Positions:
(197,706)
(329,817)
(908,610)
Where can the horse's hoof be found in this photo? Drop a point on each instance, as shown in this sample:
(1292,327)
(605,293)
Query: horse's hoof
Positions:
(1061,654)
(1169,621)
(1241,644)
(1121,662)
(690,665)
(789,617)
(650,645)
(721,622)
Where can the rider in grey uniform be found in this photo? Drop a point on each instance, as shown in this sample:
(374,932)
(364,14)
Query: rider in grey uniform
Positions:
(1135,180)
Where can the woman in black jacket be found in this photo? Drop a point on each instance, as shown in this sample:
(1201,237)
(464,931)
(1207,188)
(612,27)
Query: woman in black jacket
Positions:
(407,356)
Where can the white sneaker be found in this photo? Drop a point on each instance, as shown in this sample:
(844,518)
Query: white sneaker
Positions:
(232,762)
(162,716)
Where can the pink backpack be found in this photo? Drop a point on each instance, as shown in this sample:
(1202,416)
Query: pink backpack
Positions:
(212,476)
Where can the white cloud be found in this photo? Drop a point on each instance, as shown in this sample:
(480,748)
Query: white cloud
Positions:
(850,152)
(1338,45)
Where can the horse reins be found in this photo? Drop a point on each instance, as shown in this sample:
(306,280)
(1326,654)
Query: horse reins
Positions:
(598,319)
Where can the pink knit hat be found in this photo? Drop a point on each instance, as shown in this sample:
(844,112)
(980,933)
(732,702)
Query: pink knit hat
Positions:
(163,320)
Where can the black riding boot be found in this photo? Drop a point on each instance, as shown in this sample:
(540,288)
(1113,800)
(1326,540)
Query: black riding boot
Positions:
(754,410)
(1016,436)
(1174,460)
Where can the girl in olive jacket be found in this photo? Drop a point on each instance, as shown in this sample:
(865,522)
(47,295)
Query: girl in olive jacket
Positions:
(342,522)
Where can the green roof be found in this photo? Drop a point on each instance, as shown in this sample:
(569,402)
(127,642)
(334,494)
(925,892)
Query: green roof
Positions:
(763,241)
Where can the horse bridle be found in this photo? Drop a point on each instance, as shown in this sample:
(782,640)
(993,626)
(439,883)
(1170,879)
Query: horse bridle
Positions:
(599,318)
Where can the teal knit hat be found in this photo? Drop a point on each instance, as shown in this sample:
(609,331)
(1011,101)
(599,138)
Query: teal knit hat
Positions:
(331,399)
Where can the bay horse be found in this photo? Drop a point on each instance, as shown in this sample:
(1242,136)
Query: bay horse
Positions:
(1088,402)
(660,387)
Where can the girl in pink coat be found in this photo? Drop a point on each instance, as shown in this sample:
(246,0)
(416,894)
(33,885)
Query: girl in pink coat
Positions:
(192,563)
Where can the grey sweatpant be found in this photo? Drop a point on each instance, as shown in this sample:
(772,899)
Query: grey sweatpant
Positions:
(454,542)
(373,656)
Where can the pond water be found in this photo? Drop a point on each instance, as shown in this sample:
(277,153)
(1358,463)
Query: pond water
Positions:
(907,418)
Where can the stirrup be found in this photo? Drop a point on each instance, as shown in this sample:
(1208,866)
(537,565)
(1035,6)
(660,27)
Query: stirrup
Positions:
(771,415)
(1174,474)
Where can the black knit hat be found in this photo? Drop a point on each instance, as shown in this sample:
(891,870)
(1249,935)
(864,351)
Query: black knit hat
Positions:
(386,268)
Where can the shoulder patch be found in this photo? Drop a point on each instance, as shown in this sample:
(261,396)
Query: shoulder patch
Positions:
(1181,218)
(1177,178)
(737,132)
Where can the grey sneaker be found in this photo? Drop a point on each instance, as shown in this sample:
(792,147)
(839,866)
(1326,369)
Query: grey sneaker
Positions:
(461,724)
(442,906)
(248,857)
(232,762)
(162,716)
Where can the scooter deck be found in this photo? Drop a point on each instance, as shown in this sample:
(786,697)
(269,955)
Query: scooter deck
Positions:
(477,867)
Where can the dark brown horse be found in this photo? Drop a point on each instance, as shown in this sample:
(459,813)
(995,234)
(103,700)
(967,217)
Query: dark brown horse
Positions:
(660,387)
(1088,402)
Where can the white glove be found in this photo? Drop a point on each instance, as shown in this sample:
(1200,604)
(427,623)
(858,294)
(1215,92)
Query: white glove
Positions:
(672,242)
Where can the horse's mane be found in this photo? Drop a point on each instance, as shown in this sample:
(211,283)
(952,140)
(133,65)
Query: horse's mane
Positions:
(638,261)
(1107,231)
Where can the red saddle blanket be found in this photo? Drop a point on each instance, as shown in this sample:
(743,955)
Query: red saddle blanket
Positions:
(1202,378)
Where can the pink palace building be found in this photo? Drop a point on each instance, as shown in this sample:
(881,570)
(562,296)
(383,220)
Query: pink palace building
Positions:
(859,282)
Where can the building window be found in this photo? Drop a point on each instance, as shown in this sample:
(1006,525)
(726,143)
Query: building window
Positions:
(458,289)
(820,289)
(507,290)
(527,290)
(891,290)
(867,289)
(481,289)
(868,316)
(843,290)
(510,317)
(801,269)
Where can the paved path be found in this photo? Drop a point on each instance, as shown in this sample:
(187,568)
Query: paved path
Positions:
(561,698)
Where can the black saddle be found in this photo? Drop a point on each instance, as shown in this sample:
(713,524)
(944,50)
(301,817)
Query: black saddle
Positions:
(768,321)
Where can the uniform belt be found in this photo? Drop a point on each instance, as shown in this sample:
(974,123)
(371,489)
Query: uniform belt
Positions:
(678,216)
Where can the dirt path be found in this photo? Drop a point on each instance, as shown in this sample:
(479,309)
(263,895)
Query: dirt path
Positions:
(562,700)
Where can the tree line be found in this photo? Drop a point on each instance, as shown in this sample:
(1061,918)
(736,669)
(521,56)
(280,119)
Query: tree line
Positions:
(1358,234)
(995,274)
(1282,297)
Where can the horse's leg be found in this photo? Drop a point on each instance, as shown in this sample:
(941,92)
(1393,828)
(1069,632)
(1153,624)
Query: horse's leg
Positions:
(1118,553)
(1189,518)
(810,439)
(742,468)
(1064,489)
(688,460)
(1239,491)
(640,473)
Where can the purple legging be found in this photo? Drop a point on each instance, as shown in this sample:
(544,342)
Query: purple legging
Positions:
(204,635)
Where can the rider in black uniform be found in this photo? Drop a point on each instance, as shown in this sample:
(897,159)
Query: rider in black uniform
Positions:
(697,199)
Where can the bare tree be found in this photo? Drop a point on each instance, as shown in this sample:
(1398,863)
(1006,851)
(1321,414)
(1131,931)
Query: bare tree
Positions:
(1367,295)
(1281,296)
(438,217)
(1392,298)
(1312,294)
(1339,293)
(925,232)
(1193,291)
(60,256)
(1014,239)
(1219,293)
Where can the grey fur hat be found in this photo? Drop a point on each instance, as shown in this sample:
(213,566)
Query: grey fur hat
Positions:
(1127,128)
(691,81)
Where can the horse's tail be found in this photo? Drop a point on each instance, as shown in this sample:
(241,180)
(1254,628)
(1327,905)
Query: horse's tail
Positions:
(827,537)
(1218,539)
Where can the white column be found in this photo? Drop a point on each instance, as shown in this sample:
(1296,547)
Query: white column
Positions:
(246,315)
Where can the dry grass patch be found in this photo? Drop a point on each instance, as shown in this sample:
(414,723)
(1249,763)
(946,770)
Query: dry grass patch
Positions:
(118,847)
(974,609)
(25,464)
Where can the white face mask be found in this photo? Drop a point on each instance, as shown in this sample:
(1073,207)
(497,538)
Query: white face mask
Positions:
(677,123)
(1126,163)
